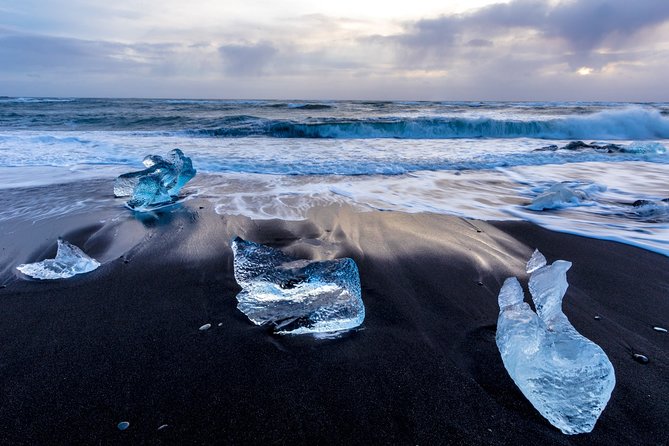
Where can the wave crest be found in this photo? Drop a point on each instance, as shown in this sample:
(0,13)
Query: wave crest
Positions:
(622,124)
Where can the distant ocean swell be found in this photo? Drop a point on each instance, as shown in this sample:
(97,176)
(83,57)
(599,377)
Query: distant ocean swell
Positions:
(626,124)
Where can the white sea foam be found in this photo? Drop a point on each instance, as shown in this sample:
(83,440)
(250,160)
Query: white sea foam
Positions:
(499,194)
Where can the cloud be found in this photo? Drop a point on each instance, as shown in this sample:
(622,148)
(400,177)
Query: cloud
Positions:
(33,52)
(582,25)
(480,43)
(247,59)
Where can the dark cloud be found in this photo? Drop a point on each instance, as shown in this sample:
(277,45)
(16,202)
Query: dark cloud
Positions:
(247,59)
(582,24)
(28,52)
(587,24)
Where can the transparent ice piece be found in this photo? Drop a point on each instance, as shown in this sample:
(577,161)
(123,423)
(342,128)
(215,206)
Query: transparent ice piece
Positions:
(536,261)
(158,184)
(565,194)
(296,296)
(557,196)
(565,376)
(69,262)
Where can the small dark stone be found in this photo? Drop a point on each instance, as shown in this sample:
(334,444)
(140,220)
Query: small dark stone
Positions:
(611,148)
(576,145)
(580,145)
(551,148)
(3,286)
(641,203)
(641,359)
(598,317)
(479,283)
(665,200)
(201,207)
(126,261)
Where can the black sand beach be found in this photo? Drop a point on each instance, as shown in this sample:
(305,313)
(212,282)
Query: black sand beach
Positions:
(123,343)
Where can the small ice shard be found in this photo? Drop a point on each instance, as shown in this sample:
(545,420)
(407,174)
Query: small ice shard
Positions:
(123,425)
(69,262)
(536,261)
(205,327)
(561,195)
(660,329)
(565,376)
(296,296)
(158,184)
(162,426)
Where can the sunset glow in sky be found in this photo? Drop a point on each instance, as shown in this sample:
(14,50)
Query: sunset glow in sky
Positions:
(442,50)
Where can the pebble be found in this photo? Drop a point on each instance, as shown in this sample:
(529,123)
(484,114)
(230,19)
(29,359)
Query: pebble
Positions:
(598,317)
(642,359)
(205,327)
(660,329)
(220,324)
(479,283)
(123,425)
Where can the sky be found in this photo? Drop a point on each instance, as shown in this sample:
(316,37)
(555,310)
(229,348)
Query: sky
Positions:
(561,50)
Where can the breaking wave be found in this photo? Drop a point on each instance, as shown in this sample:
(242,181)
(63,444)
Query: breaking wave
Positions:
(622,124)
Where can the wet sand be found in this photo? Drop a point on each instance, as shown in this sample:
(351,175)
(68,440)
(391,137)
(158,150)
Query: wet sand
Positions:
(123,343)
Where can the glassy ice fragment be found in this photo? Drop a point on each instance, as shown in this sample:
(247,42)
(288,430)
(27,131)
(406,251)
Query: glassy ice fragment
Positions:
(69,262)
(158,184)
(562,195)
(536,261)
(565,376)
(296,296)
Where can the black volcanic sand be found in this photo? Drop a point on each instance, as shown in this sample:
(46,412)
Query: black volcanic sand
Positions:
(123,343)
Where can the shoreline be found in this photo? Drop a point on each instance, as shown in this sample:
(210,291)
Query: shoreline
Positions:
(122,343)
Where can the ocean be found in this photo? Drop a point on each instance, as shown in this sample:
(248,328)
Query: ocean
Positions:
(278,159)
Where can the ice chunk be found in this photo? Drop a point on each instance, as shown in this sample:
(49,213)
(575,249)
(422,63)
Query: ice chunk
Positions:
(561,195)
(565,376)
(536,261)
(296,296)
(69,262)
(158,184)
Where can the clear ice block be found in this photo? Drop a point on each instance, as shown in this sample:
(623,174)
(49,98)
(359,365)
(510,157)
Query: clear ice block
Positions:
(296,296)
(69,262)
(158,184)
(566,377)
